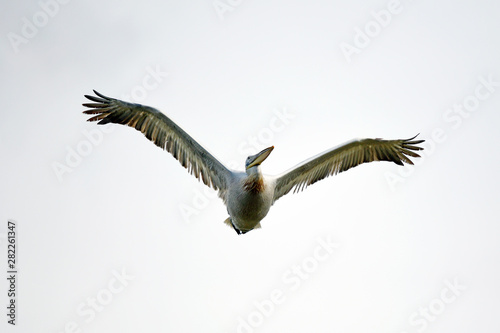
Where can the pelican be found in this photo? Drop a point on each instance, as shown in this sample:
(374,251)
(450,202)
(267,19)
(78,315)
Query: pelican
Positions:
(247,195)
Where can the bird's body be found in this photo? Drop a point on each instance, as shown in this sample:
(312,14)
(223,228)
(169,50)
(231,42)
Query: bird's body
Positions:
(247,195)
(249,198)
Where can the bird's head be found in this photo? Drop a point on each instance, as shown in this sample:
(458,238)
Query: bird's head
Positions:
(257,159)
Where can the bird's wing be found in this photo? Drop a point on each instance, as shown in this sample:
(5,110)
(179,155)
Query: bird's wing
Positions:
(342,158)
(164,133)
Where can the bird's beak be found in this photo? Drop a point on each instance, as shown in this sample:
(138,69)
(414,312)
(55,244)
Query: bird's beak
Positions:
(260,157)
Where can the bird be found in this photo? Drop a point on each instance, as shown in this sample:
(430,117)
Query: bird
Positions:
(248,195)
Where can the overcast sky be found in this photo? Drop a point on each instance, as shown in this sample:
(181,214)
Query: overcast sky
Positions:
(114,235)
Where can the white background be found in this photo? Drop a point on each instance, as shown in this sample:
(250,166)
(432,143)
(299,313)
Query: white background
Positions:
(403,234)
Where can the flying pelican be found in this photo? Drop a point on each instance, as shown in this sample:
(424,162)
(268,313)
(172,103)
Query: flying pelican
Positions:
(247,195)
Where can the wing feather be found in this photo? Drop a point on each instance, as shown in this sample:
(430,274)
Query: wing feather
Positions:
(343,158)
(164,133)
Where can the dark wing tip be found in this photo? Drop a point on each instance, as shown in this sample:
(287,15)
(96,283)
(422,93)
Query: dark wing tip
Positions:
(412,141)
(96,99)
(101,95)
(100,109)
(408,146)
(412,144)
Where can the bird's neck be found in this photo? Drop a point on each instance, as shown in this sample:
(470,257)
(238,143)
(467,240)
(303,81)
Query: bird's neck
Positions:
(254,182)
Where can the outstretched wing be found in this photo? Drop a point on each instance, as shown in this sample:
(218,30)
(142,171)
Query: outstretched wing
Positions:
(164,133)
(342,158)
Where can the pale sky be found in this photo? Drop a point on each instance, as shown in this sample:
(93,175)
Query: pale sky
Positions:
(113,235)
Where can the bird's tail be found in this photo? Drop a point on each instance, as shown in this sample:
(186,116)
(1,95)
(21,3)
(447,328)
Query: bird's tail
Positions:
(230,224)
